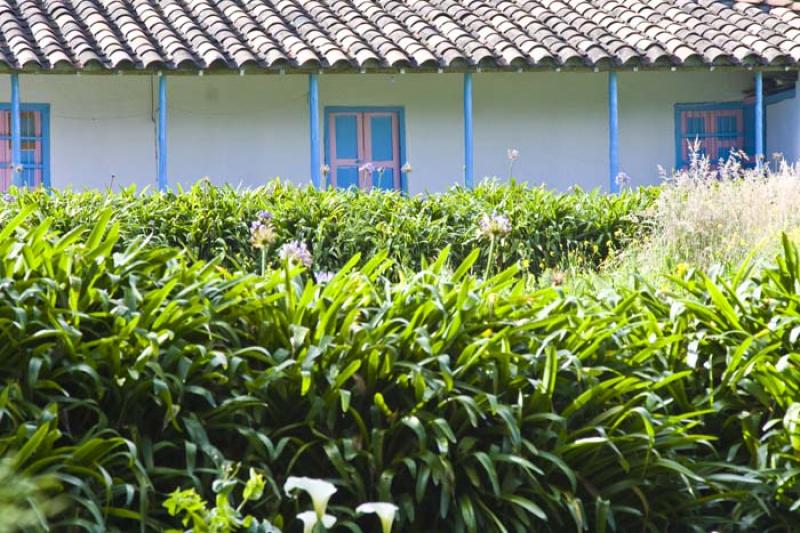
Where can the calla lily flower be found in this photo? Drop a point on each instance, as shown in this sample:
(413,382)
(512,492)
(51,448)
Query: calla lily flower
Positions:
(309,519)
(319,490)
(385,512)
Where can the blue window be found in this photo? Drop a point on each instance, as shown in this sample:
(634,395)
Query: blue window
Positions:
(365,147)
(35,130)
(713,130)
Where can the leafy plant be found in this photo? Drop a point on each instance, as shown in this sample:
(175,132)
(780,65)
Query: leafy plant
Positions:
(25,500)
(223,517)
(130,370)
(210,223)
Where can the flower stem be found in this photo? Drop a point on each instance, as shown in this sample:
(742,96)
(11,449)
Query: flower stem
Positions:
(490,260)
(263,260)
(289,288)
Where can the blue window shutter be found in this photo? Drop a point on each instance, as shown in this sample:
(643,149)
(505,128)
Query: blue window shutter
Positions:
(35,145)
(384,179)
(381,142)
(727,131)
(358,136)
(727,126)
(382,138)
(695,127)
(346,177)
(720,126)
(346,132)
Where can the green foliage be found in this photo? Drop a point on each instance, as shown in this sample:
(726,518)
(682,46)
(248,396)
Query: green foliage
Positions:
(223,518)
(130,371)
(25,500)
(206,222)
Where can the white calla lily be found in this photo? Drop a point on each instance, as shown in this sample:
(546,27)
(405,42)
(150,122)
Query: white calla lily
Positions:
(319,490)
(385,512)
(309,519)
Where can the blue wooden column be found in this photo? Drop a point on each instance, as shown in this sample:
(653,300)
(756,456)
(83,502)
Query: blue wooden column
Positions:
(468,146)
(162,132)
(16,133)
(759,118)
(313,128)
(613,132)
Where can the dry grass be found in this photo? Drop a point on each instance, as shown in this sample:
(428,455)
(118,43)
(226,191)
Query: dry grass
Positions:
(716,215)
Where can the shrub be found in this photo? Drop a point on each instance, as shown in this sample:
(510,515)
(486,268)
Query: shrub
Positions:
(547,228)
(471,404)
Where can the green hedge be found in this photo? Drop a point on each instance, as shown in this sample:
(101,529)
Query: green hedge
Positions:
(547,228)
(471,404)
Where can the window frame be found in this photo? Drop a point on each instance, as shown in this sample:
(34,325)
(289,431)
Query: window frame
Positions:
(401,132)
(747,133)
(44,110)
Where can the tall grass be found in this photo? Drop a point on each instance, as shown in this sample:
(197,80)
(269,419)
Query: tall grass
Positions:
(711,216)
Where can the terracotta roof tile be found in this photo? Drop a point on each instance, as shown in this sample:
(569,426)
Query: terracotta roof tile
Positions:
(353,34)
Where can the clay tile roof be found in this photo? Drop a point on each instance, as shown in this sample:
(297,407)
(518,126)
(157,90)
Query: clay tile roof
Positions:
(390,34)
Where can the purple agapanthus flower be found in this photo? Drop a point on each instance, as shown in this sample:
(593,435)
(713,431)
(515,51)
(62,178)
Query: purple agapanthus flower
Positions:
(9,198)
(262,234)
(296,252)
(622,180)
(494,225)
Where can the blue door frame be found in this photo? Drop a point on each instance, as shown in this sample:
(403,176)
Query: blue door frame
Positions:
(370,109)
(44,110)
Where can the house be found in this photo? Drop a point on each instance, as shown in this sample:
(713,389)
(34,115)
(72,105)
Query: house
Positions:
(96,93)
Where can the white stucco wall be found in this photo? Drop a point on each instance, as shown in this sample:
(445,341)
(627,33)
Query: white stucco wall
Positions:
(558,121)
(246,130)
(240,130)
(647,114)
(99,126)
(783,129)
(251,129)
